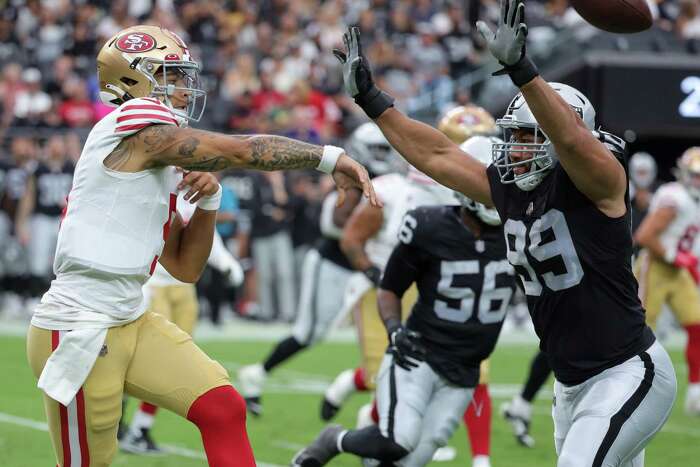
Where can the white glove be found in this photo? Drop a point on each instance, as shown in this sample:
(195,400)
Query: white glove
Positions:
(507,44)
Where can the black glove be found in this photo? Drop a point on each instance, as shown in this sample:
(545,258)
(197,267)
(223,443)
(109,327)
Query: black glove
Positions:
(357,77)
(406,347)
(507,44)
(374,274)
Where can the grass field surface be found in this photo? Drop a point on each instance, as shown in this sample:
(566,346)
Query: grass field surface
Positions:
(291,418)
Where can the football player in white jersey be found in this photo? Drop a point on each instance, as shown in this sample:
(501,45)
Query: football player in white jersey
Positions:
(667,268)
(91,338)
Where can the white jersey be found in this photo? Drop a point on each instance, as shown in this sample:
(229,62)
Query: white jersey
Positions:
(114,229)
(681,232)
(400,194)
(219,257)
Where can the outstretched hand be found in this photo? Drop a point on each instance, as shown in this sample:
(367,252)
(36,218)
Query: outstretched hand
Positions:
(507,44)
(349,173)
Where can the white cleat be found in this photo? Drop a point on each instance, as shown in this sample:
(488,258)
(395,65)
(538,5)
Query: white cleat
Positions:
(337,393)
(692,400)
(251,380)
(518,414)
(444,454)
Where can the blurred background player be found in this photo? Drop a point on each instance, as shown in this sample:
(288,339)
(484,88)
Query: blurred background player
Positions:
(39,211)
(324,276)
(456,257)
(667,268)
(177,302)
(642,174)
(326,271)
(459,124)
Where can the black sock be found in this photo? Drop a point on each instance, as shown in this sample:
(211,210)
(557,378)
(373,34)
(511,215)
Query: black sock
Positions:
(369,443)
(282,352)
(539,372)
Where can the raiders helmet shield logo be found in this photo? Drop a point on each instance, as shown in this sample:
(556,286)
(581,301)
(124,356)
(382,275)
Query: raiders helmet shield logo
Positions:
(136,42)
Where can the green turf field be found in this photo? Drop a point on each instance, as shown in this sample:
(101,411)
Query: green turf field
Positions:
(291,413)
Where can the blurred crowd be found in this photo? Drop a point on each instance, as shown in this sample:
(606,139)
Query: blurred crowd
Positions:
(268,68)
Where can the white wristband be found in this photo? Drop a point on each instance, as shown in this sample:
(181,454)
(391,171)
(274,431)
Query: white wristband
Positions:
(329,158)
(211,202)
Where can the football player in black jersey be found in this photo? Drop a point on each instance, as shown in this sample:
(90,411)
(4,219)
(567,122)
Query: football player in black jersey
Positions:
(561,190)
(456,257)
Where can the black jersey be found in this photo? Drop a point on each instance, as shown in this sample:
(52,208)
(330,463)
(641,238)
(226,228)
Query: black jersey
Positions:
(15,184)
(52,188)
(575,265)
(464,287)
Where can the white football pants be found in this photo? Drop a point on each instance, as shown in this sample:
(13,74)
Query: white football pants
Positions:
(607,420)
(418,409)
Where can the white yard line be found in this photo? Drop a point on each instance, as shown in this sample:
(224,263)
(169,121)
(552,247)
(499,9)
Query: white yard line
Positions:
(168,448)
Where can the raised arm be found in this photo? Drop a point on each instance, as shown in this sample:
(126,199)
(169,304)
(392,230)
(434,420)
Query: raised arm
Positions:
(163,145)
(589,163)
(591,166)
(424,147)
(363,224)
(434,154)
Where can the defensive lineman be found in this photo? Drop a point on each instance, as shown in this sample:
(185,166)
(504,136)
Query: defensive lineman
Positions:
(456,257)
(561,190)
(118,225)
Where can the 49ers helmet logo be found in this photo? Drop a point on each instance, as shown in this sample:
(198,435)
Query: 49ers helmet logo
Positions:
(136,42)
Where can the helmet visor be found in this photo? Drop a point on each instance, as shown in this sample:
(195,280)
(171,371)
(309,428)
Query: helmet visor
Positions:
(179,84)
(524,152)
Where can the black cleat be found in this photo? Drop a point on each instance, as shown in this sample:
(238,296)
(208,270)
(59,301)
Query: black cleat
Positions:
(321,451)
(328,410)
(142,444)
(254,406)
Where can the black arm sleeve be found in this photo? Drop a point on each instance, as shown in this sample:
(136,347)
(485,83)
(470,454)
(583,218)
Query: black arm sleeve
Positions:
(402,269)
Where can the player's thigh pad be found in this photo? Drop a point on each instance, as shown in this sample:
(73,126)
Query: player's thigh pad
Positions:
(442,417)
(373,338)
(685,299)
(402,400)
(87,427)
(184,305)
(484,371)
(159,301)
(656,281)
(168,369)
(612,416)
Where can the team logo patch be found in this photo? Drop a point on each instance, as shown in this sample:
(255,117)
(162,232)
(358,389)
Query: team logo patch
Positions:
(136,42)
(103,350)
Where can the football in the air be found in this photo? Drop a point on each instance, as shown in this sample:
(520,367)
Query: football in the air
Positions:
(620,16)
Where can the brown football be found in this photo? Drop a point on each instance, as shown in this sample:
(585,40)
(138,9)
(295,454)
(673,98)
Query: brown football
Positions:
(620,16)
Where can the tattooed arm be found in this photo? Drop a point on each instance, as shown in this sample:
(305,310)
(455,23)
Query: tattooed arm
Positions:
(163,145)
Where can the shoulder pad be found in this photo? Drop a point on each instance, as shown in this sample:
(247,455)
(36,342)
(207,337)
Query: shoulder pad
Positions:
(617,145)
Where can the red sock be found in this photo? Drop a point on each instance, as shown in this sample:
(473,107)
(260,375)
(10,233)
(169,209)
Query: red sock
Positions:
(360,383)
(477,418)
(148,408)
(220,416)
(692,353)
(375,413)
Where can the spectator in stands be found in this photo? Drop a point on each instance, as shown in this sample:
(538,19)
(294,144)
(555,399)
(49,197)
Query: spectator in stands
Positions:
(39,211)
(77,110)
(31,103)
(688,20)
